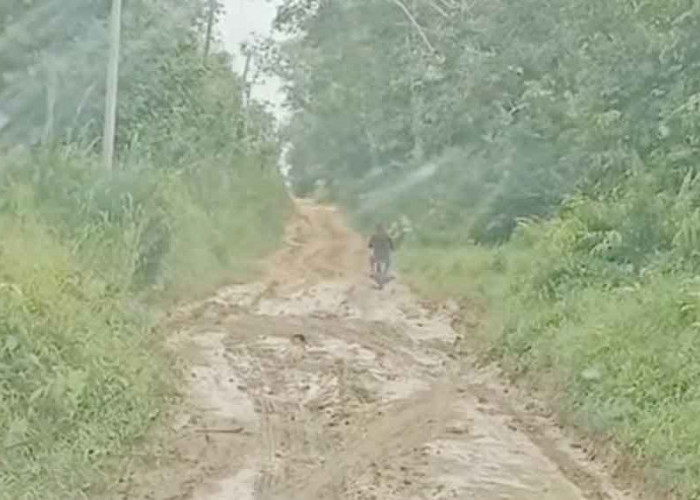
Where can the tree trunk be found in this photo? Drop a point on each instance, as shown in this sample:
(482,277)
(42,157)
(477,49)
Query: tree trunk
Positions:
(245,99)
(210,27)
(245,95)
(416,131)
(51,92)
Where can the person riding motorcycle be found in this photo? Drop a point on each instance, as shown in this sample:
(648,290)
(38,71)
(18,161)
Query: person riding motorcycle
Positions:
(381,246)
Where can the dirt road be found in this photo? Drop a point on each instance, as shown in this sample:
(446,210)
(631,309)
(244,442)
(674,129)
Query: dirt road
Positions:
(313,385)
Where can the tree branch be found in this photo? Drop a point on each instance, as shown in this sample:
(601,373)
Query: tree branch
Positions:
(210,25)
(439,9)
(449,4)
(418,27)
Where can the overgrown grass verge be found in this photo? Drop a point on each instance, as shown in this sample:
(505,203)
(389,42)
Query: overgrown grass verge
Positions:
(85,259)
(616,348)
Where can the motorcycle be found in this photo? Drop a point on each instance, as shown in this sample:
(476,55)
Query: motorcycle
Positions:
(380,273)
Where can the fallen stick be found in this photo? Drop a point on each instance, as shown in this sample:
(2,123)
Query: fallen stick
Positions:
(237,430)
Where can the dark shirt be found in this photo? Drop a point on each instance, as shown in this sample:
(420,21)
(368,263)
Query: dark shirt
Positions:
(381,244)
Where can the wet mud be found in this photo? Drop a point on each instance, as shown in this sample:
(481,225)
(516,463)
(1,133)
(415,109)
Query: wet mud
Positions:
(314,385)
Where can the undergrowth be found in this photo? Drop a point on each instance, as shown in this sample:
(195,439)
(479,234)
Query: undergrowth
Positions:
(81,373)
(600,308)
(85,258)
(90,258)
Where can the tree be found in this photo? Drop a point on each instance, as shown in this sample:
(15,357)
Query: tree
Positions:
(517,105)
(72,36)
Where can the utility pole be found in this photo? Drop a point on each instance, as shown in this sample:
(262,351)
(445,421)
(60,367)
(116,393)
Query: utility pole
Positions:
(115,25)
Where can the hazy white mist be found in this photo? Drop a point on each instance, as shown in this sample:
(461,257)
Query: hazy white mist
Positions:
(242,19)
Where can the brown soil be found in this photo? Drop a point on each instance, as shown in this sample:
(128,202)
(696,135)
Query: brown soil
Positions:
(314,385)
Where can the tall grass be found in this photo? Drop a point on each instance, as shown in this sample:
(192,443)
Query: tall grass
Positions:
(599,307)
(85,258)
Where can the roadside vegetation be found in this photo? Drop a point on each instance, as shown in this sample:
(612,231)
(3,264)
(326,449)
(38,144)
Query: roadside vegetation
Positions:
(88,257)
(547,156)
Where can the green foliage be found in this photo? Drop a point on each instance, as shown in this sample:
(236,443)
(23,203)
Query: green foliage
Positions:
(52,64)
(566,132)
(86,256)
(457,272)
(517,104)
(599,305)
(82,374)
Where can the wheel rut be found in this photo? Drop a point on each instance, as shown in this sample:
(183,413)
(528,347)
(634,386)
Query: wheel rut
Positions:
(312,385)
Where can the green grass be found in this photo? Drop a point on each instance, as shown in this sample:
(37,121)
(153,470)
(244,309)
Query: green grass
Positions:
(618,351)
(85,261)
(80,376)
(452,272)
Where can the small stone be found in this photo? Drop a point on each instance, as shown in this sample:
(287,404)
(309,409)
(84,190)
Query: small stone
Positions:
(458,428)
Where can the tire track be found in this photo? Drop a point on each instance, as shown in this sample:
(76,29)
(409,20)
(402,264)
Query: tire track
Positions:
(356,394)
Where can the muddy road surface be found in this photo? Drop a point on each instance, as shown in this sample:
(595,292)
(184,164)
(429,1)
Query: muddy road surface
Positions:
(314,385)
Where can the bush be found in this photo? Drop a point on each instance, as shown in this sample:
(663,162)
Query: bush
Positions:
(82,375)
(599,306)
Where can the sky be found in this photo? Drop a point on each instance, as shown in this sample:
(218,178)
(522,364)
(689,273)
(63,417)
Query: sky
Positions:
(243,18)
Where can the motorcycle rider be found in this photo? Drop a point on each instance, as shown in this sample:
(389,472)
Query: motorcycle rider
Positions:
(381,246)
